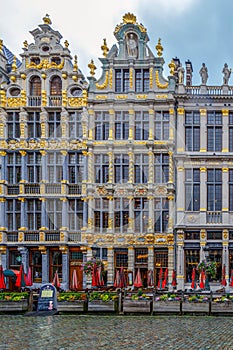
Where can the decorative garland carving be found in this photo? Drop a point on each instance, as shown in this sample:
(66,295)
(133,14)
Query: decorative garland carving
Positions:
(160,85)
(105,83)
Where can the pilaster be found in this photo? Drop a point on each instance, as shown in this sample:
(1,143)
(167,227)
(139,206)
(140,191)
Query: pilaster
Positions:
(203,134)
(110,266)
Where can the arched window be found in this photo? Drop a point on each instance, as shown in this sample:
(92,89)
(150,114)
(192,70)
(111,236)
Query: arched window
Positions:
(56,86)
(35,86)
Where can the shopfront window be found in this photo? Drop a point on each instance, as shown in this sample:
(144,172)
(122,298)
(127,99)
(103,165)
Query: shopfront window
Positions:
(192,259)
(36,265)
(55,264)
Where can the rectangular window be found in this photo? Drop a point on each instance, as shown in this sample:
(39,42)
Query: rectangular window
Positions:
(122,80)
(101,214)
(121,168)
(161,215)
(34,167)
(121,257)
(75,125)
(141,256)
(13,213)
(101,125)
(141,125)
(101,168)
(34,129)
(75,167)
(34,214)
(54,166)
(13,167)
(54,125)
(75,214)
(54,214)
(141,214)
(161,168)
(13,129)
(230,131)
(214,131)
(121,125)
(192,259)
(162,125)
(141,168)
(121,214)
(214,189)
(142,80)
(231,189)
(192,131)
(192,189)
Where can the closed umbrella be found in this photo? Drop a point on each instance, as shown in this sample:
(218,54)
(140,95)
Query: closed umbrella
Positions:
(20,281)
(138,280)
(160,282)
(202,279)
(74,284)
(165,278)
(150,279)
(28,279)
(224,282)
(193,284)
(56,281)
(100,277)
(94,281)
(174,282)
(117,280)
(2,280)
(122,283)
(231,283)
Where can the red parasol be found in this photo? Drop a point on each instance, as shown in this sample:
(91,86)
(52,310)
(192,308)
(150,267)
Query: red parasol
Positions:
(231,284)
(174,282)
(20,282)
(150,279)
(117,280)
(160,282)
(74,284)
(193,284)
(138,280)
(224,282)
(94,282)
(100,276)
(202,279)
(56,281)
(164,283)
(28,279)
(2,280)
(122,283)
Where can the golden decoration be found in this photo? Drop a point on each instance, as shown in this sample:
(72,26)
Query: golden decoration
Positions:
(13,78)
(43,75)
(131,78)
(25,44)
(121,97)
(180,110)
(141,97)
(105,48)
(64,75)
(129,18)
(45,64)
(43,98)
(75,67)
(160,85)
(1,45)
(105,83)
(203,112)
(14,102)
(2,98)
(159,48)
(47,20)
(110,77)
(23,76)
(77,101)
(92,67)
(14,65)
(66,43)
(172,67)
(203,169)
(225,112)
(151,77)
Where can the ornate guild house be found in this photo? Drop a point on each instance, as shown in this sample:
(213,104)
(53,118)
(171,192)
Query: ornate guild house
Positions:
(132,167)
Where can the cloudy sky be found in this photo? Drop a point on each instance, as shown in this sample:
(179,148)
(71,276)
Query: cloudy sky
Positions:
(199,30)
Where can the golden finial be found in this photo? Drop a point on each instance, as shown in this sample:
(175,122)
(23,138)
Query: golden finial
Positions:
(92,67)
(14,66)
(129,18)
(66,43)
(25,44)
(47,20)
(75,68)
(105,48)
(159,48)
(1,45)
(172,67)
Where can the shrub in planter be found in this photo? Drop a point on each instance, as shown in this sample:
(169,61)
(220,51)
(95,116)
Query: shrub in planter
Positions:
(71,296)
(15,296)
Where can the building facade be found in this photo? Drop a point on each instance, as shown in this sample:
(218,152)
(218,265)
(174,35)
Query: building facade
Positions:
(133,167)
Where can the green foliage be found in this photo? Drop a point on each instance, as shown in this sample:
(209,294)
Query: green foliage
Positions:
(105,296)
(209,267)
(71,296)
(15,296)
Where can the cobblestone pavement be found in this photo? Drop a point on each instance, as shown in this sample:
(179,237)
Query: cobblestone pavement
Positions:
(75,332)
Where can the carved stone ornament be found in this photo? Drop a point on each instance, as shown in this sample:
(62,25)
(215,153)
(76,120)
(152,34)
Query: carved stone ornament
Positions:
(101,191)
(140,191)
(120,192)
(160,190)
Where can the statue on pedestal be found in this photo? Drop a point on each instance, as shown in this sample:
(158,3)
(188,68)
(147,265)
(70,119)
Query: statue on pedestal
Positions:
(226,74)
(204,74)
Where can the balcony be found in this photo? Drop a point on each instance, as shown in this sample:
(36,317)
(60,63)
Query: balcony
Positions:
(214,217)
(13,190)
(55,101)
(34,101)
(32,188)
(31,236)
(75,189)
(53,189)
(53,236)
(74,237)
(12,237)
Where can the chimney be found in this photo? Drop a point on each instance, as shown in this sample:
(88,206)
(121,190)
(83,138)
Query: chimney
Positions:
(189,73)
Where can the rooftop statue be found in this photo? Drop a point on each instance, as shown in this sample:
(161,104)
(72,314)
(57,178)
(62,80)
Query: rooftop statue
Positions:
(204,74)
(226,74)
(132,46)
(180,71)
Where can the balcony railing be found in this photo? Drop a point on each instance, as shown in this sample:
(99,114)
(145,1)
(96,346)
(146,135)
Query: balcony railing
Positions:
(75,189)
(55,101)
(53,189)
(74,237)
(52,236)
(214,217)
(31,237)
(32,188)
(34,101)
(13,189)
(12,237)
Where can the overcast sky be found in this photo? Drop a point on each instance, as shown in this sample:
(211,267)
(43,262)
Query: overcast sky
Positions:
(199,30)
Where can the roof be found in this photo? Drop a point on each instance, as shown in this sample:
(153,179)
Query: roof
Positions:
(9,56)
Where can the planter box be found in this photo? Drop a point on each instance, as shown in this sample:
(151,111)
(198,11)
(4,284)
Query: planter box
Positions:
(222,308)
(139,306)
(102,306)
(171,306)
(195,307)
(71,306)
(13,306)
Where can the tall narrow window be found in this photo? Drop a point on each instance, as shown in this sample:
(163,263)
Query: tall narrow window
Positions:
(141,214)
(34,129)
(214,131)
(161,214)
(75,214)
(121,125)
(192,189)
(214,189)
(162,125)
(54,166)
(13,129)
(101,168)
(13,167)
(54,214)
(231,189)
(34,214)
(75,125)
(54,124)
(142,80)
(192,131)
(101,125)
(121,168)
(75,167)
(13,212)
(141,168)
(161,168)
(35,86)
(141,125)
(121,214)
(56,86)
(34,167)
(122,80)
(101,214)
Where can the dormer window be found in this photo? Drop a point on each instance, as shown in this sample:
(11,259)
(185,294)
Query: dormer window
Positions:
(35,60)
(56,60)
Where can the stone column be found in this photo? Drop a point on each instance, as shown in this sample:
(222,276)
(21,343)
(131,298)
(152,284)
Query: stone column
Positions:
(23,211)
(23,165)
(43,167)
(25,257)
(131,167)
(111,167)
(3,123)
(64,123)
(111,266)
(203,130)
(131,124)
(45,264)
(180,193)
(151,259)
(180,130)
(88,277)
(180,260)
(64,213)
(111,124)
(2,213)
(44,123)
(131,215)
(225,252)
(170,263)
(203,238)
(131,259)
(4,257)
(151,219)
(65,165)
(151,124)
(225,191)
(203,195)
(172,124)
(65,267)
(4,168)
(225,139)
(23,117)
(110,214)
(91,167)
(151,167)
(43,213)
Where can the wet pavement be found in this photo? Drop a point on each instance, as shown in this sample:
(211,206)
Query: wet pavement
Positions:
(85,332)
